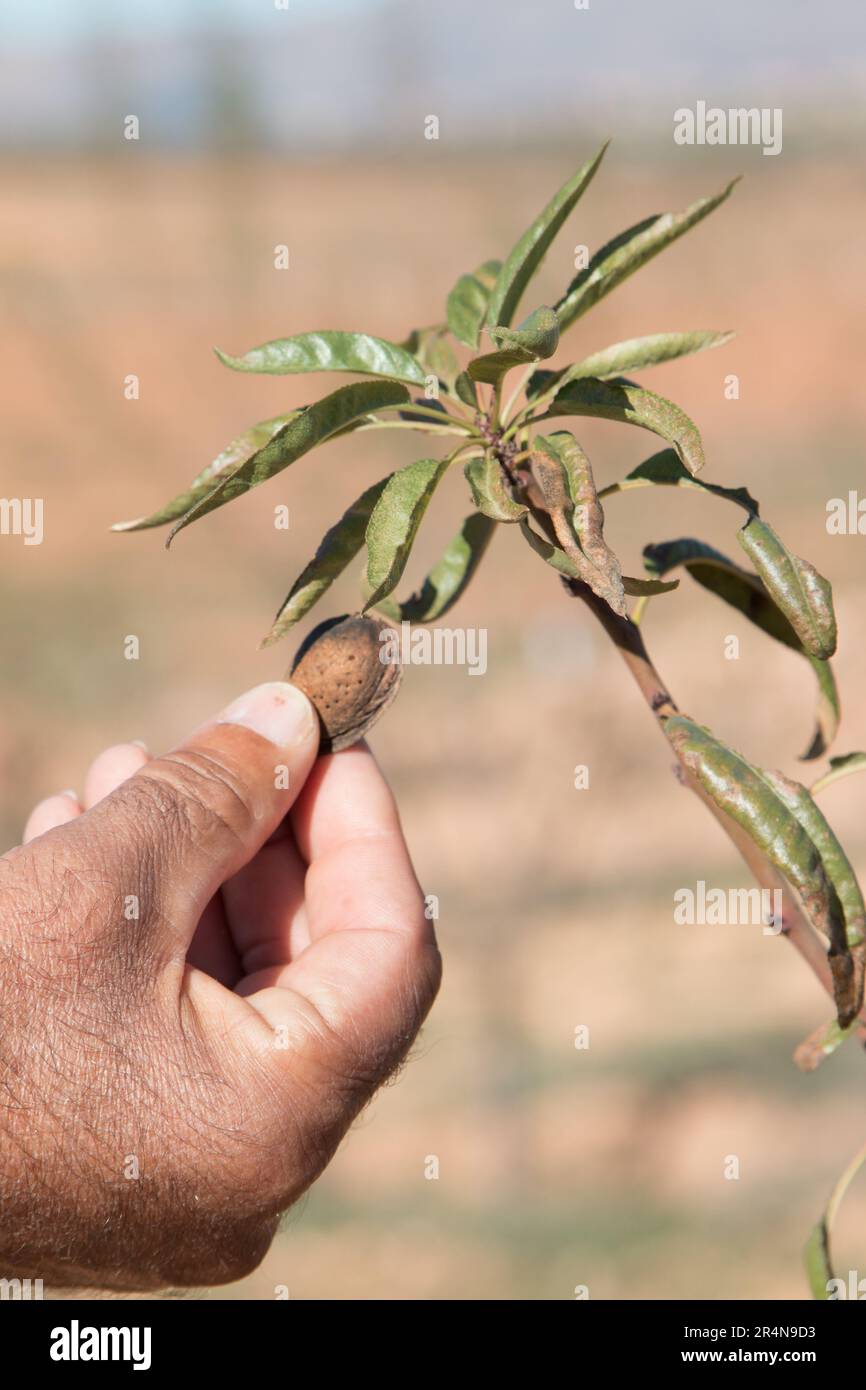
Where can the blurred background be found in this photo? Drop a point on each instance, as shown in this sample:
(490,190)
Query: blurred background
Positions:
(303,125)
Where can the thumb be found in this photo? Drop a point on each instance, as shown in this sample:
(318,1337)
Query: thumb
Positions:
(200,813)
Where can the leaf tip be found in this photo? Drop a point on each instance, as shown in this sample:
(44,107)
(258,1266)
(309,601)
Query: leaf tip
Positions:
(227,359)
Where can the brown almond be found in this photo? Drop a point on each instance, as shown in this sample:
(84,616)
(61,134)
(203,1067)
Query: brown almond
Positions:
(339,668)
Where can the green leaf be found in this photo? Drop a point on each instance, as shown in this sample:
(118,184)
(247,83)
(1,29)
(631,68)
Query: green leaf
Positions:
(449,577)
(465,388)
(489,490)
(439,356)
(329,352)
(394,523)
(846,947)
(468,301)
(308,429)
(558,560)
(647,588)
(424,404)
(542,380)
(747,593)
(836,862)
(434,352)
(240,449)
(338,548)
(817,1255)
(564,475)
(492,366)
(538,334)
(752,800)
(627,252)
(842,766)
(665,470)
(550,553)
(636,353)
(803,595)
(527,255)
(632,405)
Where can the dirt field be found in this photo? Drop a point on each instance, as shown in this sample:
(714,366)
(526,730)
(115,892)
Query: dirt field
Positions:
(557,1167)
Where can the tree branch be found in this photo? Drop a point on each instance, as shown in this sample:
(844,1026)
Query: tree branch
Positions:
(796,927)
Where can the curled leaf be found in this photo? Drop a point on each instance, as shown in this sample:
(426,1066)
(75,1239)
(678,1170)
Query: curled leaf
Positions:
(632,405)
(564,476)
(538,334)
(629,251)
(647,588)
(752,799)
(491,367)
(329,352)
(847,945)
(842,766)
(449,577)
(803,595)
(310,427)
(836,862)
(525,258)
(746,592)
(465,389)
(468,301)
(819,1266)
(394,523)
(338,548)
(665,469)
(490,491)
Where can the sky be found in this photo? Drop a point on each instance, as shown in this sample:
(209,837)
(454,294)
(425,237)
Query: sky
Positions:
(345,72)
(51,22)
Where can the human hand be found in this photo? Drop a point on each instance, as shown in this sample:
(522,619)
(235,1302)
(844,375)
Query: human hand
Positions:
(207,967)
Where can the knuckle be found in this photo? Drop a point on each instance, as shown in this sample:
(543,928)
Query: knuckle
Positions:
(190,793)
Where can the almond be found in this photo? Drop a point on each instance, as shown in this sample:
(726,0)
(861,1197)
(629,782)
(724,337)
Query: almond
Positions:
(339,668)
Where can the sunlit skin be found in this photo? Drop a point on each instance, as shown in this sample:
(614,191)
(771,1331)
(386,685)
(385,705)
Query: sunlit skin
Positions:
(174,1080)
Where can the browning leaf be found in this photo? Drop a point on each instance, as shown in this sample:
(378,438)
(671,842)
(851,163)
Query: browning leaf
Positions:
(564,475)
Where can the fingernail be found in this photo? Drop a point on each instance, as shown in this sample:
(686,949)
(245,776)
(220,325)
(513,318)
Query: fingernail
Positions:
(138,743)
(277,710)
(70,792)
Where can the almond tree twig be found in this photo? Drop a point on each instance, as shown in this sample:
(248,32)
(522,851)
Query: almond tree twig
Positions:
(628,640)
